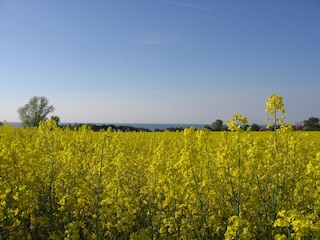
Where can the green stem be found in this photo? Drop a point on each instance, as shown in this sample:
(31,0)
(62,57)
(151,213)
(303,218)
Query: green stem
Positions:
(99,192)
(239,177)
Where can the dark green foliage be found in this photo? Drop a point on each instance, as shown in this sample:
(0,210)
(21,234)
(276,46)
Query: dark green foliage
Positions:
(55,118)
(255,127)
(104,127)
(217,125)
(312,124)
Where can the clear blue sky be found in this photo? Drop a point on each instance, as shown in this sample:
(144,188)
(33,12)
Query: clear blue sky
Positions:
(160,61)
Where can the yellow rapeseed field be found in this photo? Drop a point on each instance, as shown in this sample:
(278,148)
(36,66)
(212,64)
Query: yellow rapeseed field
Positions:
(63,184)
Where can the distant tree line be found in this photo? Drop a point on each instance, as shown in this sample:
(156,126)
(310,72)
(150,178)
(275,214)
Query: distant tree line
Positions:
(312,124)
(105,127)
(38,108)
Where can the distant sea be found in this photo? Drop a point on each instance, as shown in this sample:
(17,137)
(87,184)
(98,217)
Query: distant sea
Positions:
(150,126)
(160,126)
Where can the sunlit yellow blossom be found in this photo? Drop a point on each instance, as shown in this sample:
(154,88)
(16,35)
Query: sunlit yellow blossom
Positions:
(273,105)
(58,183)
(234,124)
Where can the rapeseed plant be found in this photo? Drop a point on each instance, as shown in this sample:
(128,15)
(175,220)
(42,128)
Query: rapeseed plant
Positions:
(62,184)
(273,105)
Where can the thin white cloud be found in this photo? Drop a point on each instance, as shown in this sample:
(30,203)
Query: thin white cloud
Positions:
(188,5)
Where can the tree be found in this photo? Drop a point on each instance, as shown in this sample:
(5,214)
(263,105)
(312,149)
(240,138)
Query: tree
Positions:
(207,127)
(313,123)
(56,119)
(35,111)
(255,127)
(217,125)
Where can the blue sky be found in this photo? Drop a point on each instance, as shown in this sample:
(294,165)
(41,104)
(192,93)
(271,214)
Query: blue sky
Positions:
(160,61)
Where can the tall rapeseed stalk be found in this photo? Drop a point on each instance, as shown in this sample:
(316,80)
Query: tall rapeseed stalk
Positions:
(237,225)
